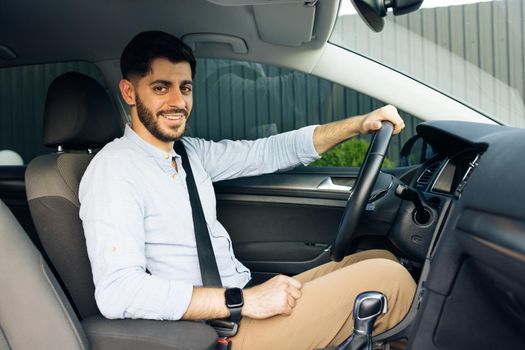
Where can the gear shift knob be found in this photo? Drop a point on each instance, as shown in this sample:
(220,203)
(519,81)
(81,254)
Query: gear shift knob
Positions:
(368,307)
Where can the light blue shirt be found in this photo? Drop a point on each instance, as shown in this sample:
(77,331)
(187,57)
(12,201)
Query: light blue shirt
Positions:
(136,215)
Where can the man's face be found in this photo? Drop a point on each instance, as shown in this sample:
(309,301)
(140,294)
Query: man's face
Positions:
(164,100)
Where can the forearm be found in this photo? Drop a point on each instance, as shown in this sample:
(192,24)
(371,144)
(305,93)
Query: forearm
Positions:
(276,296)
(206,303)
(329,135)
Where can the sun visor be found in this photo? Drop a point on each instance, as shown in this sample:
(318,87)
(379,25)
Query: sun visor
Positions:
(292,23)
(288,24)
(233,43)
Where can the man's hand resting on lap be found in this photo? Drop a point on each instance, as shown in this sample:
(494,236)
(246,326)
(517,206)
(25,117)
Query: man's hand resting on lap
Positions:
(276,296)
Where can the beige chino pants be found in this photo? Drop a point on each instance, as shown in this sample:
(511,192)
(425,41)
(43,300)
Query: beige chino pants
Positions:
(323,315)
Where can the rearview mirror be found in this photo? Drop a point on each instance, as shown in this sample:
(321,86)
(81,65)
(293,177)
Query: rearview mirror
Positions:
(373,11)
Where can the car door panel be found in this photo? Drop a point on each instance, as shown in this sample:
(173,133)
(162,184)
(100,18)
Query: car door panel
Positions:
(280,223)
(285,222)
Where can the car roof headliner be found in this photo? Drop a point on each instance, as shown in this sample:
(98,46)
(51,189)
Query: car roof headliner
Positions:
(98,30)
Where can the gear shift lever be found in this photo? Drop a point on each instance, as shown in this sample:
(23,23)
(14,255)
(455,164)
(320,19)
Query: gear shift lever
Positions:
(368,307)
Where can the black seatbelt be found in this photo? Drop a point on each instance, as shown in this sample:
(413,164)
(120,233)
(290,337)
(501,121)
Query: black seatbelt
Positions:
(207,262)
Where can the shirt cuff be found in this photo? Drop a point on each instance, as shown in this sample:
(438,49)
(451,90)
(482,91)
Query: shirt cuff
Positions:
(305,145)
(179,298)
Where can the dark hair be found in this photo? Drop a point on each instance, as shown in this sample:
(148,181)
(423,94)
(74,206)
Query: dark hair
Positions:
(147,46)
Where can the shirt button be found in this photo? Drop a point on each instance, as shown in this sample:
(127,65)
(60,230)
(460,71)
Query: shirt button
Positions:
(174,175)
(166,155)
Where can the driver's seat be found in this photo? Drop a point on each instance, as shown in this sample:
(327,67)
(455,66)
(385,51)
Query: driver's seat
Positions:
(79,117)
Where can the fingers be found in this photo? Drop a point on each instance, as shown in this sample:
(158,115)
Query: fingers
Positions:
(295,283)
(294,292)
(291,302)
(293,288)
(287,281)
(399,127)
(391,114)
(372,121)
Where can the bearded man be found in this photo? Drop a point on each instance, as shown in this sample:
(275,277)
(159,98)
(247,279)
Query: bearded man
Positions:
(139,231)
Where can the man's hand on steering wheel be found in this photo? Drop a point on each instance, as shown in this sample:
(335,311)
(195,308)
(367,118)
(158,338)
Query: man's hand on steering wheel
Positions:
(372,121)
(329,135)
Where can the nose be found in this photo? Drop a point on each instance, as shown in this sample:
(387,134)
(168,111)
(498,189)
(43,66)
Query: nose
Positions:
(176,99)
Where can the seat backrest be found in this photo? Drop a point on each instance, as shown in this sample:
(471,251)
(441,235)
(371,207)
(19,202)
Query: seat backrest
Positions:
(79,115)
(34,312)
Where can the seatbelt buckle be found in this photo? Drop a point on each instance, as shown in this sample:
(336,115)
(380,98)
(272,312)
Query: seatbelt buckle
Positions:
(223,344)
(224,328)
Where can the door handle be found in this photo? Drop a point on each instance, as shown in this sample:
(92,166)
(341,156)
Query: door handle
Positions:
(328,185)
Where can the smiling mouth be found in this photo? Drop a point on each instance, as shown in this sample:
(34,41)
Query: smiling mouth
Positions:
(176,116)
(173,114)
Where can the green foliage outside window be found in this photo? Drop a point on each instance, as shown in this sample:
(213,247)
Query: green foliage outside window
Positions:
(348,154)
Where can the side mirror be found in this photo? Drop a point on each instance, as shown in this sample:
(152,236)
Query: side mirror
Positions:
(373,11)
(415,151)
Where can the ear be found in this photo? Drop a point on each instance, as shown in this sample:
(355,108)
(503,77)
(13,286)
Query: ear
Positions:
(127,90)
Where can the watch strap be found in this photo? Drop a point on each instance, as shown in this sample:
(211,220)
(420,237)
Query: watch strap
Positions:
(235,314)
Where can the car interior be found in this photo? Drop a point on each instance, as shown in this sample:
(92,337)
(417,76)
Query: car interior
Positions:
(450,209)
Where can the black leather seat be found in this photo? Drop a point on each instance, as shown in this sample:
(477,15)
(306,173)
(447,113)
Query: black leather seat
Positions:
(79,117)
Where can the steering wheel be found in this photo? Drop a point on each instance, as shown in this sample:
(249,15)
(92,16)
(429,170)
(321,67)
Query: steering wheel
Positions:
(356,204)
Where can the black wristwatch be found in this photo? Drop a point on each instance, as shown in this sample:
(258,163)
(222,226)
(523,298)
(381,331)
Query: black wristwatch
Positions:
(234,302)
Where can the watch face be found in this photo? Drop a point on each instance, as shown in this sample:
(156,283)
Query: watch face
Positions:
(234,297)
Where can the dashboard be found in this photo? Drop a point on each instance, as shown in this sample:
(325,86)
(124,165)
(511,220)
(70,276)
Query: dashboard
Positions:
(474,247)
(460,150)
(449,175)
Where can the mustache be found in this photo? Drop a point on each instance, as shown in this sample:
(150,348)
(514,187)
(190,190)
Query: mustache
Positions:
(174,111)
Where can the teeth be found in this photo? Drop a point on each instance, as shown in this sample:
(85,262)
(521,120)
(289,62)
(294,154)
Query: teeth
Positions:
(172,117)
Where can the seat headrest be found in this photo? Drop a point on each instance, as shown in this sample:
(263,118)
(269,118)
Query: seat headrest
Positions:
(79,113)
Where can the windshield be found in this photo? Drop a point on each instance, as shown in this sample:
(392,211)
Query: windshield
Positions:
(471,50)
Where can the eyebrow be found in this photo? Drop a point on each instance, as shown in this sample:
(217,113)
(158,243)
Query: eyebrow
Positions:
(167,82)
(160,81)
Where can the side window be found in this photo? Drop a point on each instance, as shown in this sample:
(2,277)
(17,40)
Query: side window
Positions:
(22,98)
(242,100)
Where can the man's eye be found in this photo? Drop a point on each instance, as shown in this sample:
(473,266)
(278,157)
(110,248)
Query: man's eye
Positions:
(186,89)
(160,89)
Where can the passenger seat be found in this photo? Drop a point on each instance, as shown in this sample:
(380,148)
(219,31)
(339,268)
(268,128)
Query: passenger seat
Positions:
(34,312)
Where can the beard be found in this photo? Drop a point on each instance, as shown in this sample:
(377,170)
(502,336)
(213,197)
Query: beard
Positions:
(151,122)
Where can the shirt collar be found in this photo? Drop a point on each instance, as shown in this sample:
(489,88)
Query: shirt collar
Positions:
(145,146)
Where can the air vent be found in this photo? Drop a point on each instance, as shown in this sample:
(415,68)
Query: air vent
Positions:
(428,173)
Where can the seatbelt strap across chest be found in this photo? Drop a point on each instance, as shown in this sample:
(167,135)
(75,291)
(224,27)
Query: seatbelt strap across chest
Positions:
(207,262)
